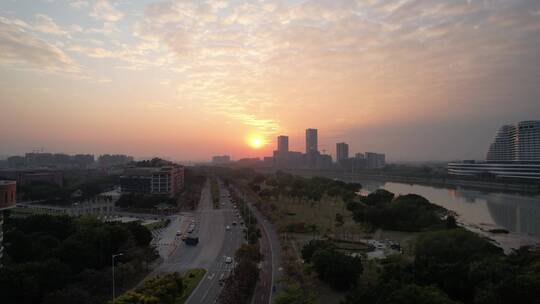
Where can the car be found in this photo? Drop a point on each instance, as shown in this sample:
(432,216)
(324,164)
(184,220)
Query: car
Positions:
(228,260)
(222,279)
(228,228)
(178,233)
(192,240)
(234,223)
(241,223)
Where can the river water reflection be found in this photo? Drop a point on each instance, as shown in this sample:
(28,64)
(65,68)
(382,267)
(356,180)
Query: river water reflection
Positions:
(480,211)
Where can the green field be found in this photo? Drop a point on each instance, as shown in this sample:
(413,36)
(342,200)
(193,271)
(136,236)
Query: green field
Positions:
(319,217)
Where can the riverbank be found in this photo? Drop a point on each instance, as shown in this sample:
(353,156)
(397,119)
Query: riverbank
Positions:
(500,186)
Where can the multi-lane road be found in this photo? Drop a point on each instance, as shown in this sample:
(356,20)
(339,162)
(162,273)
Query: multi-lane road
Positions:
(216,243)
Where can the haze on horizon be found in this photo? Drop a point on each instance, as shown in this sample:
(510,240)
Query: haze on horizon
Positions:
(417,79)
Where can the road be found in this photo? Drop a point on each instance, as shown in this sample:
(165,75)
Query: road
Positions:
(215,243)
(268,284)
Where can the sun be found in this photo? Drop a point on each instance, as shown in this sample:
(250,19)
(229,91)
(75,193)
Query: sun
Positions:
(256,142)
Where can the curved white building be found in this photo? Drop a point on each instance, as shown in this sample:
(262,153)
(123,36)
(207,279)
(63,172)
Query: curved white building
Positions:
(515,153)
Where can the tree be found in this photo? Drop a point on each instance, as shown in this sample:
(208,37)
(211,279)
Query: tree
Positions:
(248,252)
(310,248)
(340,271)
(142,235)
(70,295)
(444,258)
(414,294)
(379,196)
(339,220)
(133,297)
(64,260)
(451,222)
(164,289)
(293,294)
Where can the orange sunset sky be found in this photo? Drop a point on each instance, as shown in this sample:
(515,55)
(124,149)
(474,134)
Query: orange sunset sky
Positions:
(185,80)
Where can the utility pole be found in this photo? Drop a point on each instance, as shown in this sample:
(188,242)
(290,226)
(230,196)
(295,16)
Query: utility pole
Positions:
(113,287)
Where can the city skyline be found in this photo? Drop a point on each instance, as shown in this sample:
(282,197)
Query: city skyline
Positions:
(187,80)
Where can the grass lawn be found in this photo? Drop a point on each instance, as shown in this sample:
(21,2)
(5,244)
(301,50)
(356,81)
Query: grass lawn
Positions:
(322,214)
(191,279)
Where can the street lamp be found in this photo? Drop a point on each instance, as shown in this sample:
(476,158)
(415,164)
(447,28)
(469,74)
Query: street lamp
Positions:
(113,289)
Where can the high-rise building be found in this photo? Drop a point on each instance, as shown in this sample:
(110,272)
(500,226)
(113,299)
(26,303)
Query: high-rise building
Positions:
(28,176)
(311,141)
(375,160)
(283,144)
(165,180)
(342,152)
(8,196)
(514,153)
(516,143)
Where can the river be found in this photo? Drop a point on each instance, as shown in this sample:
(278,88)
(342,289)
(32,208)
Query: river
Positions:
(480,211)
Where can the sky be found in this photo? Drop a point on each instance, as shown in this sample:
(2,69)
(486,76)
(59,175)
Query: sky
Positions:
(185,80)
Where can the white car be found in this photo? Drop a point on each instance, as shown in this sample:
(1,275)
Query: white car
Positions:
(228,228)
(228,260)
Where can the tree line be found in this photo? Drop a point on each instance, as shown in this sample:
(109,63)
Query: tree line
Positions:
(59,259)
(410,212)
(454,266)
(240,284)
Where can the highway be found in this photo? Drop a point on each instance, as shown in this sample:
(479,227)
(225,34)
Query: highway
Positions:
(215,244)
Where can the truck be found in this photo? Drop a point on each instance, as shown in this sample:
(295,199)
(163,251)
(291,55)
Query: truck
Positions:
(192,240)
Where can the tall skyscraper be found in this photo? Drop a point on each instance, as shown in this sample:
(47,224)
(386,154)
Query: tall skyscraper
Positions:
(342,152)
(516,143)
(311,141)
(283,144)
(514,153)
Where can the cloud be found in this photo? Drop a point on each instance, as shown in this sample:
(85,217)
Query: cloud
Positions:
(103,10)
(344,56)
(79,4)
(21,49)
(275,65)
(46,24)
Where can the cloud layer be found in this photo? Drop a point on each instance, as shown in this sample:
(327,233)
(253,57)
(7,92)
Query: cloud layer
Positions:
(275,66)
